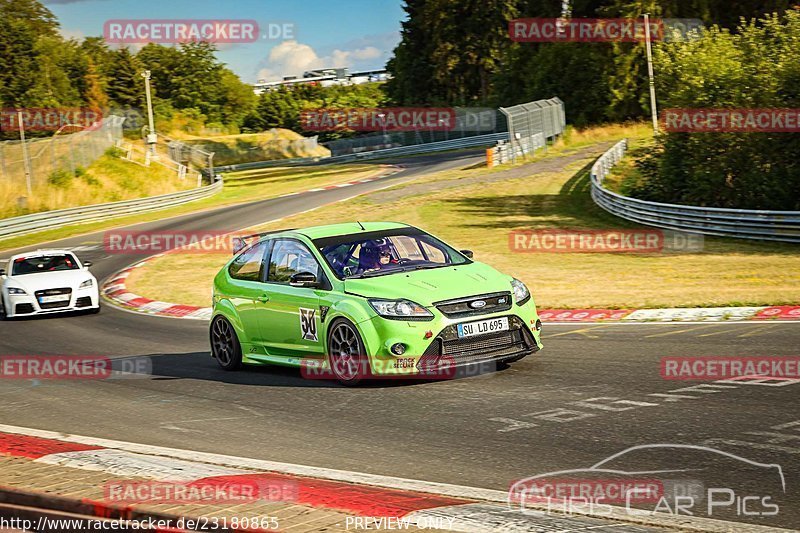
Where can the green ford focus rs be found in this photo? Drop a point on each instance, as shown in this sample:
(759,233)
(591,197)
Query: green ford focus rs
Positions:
(371,300)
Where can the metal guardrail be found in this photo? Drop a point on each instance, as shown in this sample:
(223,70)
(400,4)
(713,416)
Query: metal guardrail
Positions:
(12,227)
(439,146)
(783,226)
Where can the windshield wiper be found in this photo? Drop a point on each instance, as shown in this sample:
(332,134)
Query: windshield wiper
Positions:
(425,267)
(372,274)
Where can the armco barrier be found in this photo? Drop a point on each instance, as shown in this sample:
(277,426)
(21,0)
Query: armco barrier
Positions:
(439,146)
(783,226)
(11,227)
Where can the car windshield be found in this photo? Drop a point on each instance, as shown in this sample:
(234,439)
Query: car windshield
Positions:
(43,263)
(380,253)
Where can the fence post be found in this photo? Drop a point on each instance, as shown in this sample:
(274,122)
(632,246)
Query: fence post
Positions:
(3,161)
(25,158)
(511,133)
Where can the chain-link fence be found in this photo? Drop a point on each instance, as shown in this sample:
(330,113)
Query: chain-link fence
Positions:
(35,161)
(160,156)
(527,123)
(469,122)
(192,157)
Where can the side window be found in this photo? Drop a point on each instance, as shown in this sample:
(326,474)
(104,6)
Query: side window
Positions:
(247,266)
(435,255)
(289,258)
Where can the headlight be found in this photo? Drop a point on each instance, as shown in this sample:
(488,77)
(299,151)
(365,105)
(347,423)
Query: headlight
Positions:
(521,292)
(14,290)
(400,310)
(86,284)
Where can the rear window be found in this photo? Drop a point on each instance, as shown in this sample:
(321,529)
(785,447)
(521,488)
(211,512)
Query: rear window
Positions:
(43,263)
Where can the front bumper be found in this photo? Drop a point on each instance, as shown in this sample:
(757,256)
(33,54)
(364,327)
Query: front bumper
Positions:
(433,347)
(20,305)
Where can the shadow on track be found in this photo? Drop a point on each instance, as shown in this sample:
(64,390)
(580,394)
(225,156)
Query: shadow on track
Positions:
(200,365)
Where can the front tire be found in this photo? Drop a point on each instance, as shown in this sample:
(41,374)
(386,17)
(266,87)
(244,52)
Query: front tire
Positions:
(225,345)
(346,354)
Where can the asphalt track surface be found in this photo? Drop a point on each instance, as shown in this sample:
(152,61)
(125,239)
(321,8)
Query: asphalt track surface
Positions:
(594,391)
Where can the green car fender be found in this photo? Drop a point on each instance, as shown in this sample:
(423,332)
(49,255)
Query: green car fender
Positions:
(224,307)
(355,310)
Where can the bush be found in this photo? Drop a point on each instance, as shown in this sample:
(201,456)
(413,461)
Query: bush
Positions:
(60,178)
(753,68)
(115,152)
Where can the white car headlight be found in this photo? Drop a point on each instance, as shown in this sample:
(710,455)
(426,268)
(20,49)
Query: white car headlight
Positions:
(14,290)
(521,292)
(86,284)
(400,309)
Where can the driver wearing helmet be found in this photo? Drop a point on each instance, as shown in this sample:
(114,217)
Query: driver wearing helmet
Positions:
(375,255)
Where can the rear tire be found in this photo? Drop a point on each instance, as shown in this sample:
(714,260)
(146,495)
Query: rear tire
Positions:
(346,354)
(225,345)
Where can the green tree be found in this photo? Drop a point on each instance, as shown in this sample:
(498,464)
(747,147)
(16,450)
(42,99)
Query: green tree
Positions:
(125,85)
(747,68)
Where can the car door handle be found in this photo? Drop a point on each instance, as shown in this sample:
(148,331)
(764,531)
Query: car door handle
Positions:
(263,298)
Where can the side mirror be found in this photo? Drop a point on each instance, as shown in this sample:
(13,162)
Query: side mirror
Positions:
(87,264)
(467,253)
(2,271)
(303,279)
(238,245)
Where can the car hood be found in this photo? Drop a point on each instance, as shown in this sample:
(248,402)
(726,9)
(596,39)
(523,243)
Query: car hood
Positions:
(434,285)
(50,280)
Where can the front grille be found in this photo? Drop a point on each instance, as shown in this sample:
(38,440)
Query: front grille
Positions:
(448,348)
(491,346)
(83,301)
(23,309)
(463,307)
(54,292)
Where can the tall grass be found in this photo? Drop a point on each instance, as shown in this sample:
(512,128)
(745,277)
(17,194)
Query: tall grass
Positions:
(108,179)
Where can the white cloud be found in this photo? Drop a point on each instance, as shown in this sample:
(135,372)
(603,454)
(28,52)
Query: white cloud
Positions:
(292,58)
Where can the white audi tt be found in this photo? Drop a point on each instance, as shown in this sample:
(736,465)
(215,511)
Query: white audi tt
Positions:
(47,281)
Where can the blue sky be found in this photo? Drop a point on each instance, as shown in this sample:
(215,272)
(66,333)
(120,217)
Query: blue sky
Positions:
(359,34)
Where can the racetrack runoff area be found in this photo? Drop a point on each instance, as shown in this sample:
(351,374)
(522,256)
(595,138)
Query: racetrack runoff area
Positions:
(481,209)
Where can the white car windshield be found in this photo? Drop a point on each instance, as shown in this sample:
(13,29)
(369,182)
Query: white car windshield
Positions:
(43,263)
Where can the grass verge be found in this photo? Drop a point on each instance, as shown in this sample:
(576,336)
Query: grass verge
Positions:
(240,187)
(246,148)
(107,179)
(477,209)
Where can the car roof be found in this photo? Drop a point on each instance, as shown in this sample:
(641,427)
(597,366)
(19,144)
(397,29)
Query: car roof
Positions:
(333,230)
(40,253)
